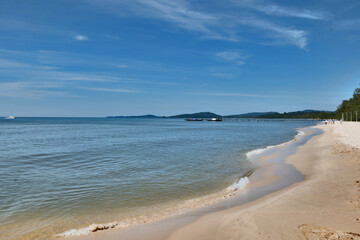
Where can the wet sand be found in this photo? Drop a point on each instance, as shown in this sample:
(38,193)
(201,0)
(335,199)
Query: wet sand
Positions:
(326,205)
(283,200)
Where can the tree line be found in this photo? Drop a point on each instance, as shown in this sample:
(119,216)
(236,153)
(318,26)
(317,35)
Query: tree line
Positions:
(350,106)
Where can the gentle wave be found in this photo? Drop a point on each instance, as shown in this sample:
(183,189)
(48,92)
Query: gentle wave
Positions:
(190,204)
(241,184)
(258,151)
(91,228)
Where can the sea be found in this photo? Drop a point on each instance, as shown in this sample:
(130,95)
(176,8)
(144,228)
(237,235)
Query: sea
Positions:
(64,177)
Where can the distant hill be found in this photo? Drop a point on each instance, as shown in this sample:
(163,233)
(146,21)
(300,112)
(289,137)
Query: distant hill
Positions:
(306,114)
(309,111)
(197,115)
(249,115)
(141,116)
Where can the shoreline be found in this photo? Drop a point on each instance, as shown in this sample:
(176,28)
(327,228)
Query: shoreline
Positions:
(223,201)
(325,205)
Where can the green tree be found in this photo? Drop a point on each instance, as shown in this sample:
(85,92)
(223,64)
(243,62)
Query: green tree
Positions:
(350,106)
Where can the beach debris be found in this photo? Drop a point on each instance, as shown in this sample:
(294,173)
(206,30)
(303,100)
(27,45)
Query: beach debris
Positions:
(103,227)
(312,232)
(91,228)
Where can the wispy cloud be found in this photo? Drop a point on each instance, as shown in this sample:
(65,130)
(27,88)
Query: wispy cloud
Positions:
(225,94)
(10,65)
(122,66)
(214,25)
(183,14)
(30,90)
(227,25)
(32,78)
(233,56)
(286,35)
(19,25)
(222,75)
(81,37)
(63,60)
(95,77)
(349,24)
(178,12)
(112,37)
(50,84)
(347,8)
(82,77)
(43,72)
(44,65)
(111,90)
(277,10)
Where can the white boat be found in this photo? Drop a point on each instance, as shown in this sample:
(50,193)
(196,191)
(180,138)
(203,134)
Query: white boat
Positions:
(214,119)
(10,117)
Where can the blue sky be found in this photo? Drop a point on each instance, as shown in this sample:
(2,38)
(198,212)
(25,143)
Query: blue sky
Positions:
(130,57)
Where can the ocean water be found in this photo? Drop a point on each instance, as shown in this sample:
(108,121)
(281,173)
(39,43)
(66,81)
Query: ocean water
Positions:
(61,174)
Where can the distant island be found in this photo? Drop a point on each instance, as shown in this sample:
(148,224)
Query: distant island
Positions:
(305,114)
(249,115)
(347,109)
(140,116)
(197,115)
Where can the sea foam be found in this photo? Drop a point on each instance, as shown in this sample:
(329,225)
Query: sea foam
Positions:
(189,204)
(241,184)
(258,151)
(91,228)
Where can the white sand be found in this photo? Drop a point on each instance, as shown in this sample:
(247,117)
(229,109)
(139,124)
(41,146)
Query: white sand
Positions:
(348,133)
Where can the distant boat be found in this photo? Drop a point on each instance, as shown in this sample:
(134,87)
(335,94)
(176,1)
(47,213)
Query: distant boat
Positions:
(10,117)
(214,119)
(194,119)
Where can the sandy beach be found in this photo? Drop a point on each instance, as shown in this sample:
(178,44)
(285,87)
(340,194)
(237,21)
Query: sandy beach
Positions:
(325,205)
(179,120)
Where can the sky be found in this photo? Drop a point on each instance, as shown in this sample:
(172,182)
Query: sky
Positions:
(98,58)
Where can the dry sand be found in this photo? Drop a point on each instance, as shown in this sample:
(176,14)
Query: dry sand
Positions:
(349,133)
(326,205)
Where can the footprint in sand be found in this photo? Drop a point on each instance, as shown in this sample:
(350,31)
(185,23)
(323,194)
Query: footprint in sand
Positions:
(312,232)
